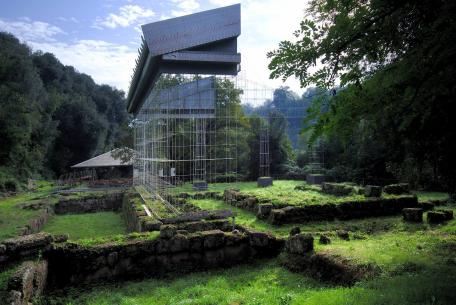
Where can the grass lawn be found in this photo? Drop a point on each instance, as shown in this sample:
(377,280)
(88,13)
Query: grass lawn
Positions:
(82,226)
(12,217)
(426,196)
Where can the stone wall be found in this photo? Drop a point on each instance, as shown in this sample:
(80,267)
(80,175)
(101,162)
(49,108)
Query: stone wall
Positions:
(36,224)
(71,264)
(21,247)
(93,204)
(372,207)
(241,200)
(27,282)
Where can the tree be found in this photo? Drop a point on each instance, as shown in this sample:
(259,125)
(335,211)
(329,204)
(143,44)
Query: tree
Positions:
(51,116)
(395,64)
(26,127)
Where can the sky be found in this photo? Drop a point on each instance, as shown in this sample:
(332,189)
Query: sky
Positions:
(101,38)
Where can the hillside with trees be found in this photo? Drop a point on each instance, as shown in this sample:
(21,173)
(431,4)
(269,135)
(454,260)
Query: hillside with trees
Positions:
(51,116)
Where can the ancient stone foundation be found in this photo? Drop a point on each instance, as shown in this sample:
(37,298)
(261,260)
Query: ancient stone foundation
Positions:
(137,220)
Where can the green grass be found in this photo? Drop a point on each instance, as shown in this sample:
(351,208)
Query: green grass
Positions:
(427,196)
(12,217)
(92,225)
(267,283)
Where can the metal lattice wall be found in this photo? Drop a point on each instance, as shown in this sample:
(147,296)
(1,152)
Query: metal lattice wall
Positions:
(187,131)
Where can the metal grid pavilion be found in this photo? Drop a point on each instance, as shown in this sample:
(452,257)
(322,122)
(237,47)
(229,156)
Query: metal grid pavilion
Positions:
(187,130)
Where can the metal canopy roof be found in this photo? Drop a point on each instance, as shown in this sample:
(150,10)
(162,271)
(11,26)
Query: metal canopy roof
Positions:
(201,43)
(103,160)
(193,30)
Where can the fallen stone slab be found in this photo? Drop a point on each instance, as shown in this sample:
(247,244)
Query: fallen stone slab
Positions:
(413,214)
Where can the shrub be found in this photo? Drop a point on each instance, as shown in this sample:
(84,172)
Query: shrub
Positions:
(8,183)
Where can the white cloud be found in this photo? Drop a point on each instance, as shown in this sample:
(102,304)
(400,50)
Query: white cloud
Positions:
(107,63)
(223,2)
(185,7)
(72,19)
(264,24)
(27,29)
(127,15)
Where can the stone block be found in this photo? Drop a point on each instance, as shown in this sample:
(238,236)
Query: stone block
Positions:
(213,239)
(439,216)
(258,239)
(60,238)
(264,210)
(295,231)
(300,244)
(324,240)
(200,185)
(412,214)
(342,234)
(167,231)
(397,189)
(178,243)
(264,181)
(372,191)
(436,217)
(337,189)
(315,179)
(112,258)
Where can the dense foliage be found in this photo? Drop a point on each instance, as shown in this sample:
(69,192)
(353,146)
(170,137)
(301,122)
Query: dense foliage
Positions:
(395,63)
(51,116)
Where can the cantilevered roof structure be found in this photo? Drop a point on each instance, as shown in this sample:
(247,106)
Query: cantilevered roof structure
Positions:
(103,160)
(201,43)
